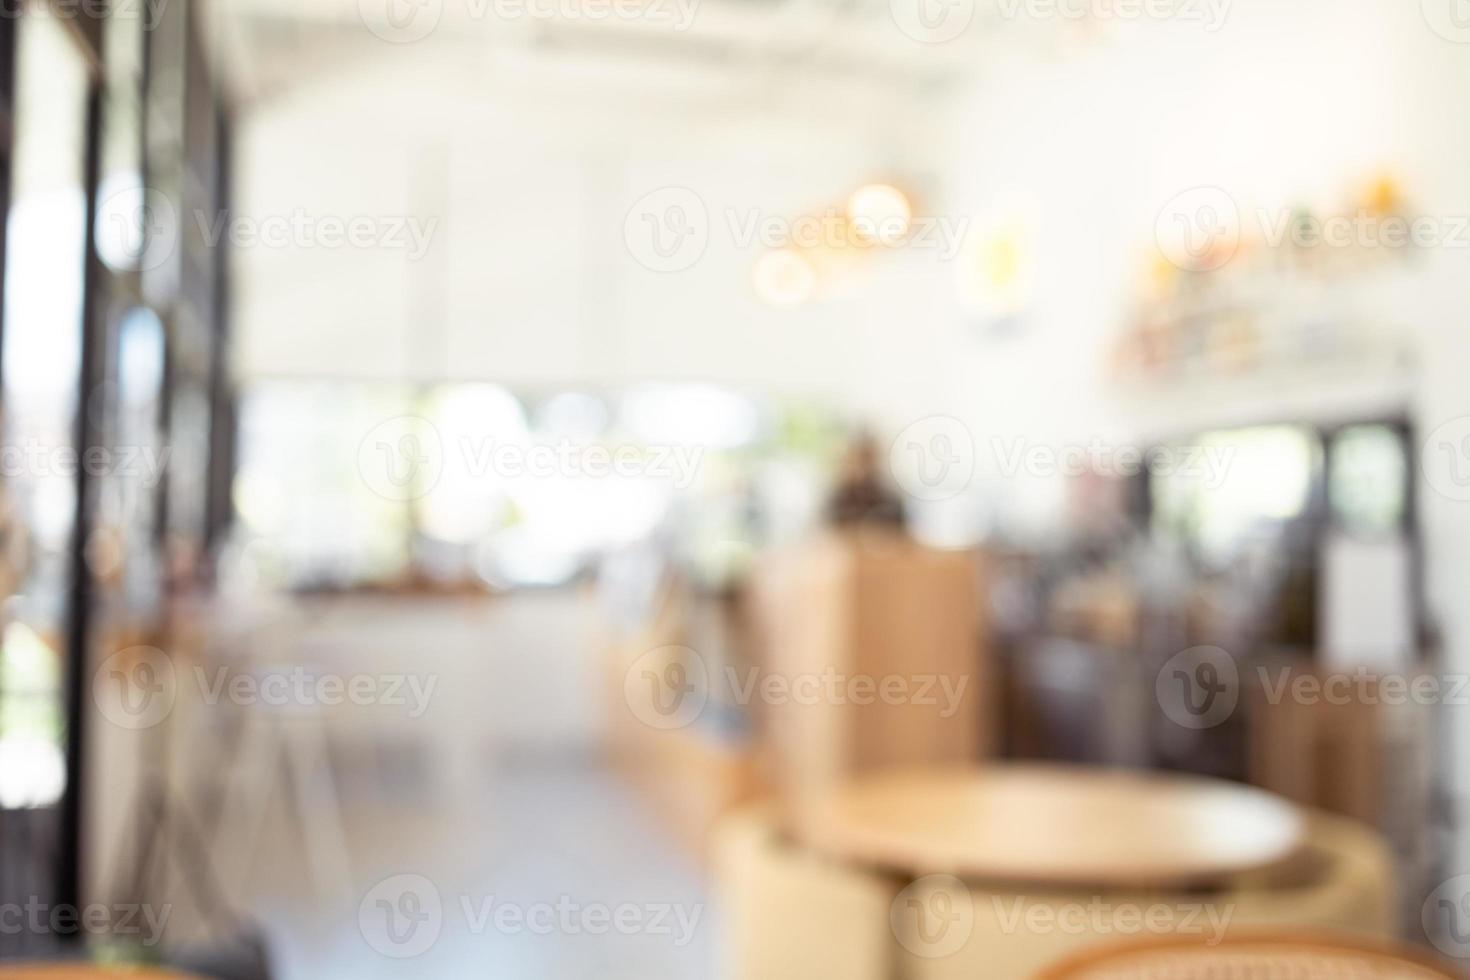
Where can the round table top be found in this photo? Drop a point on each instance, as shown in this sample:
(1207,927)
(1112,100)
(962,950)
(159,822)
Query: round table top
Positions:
(1060,825)
(1258,957)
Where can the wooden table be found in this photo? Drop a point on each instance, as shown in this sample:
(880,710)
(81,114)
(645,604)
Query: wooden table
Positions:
(1253,957)
(83,971)
(1055,825)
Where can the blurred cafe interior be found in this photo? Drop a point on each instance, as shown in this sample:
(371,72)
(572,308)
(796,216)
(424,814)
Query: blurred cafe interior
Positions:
(740,489)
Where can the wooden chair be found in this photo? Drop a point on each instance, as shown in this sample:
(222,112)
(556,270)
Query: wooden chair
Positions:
(1263,956)
(792,914)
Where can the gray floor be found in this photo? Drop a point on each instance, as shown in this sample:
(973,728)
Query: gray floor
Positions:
(556,872)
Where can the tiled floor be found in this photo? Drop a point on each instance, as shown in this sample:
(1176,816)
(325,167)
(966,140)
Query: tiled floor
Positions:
(557,873)
(480,839)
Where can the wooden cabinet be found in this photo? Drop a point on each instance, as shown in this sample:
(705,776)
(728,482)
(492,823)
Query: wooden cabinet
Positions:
(870,656)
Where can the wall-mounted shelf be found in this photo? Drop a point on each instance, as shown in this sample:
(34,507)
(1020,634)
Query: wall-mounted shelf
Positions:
(1362,387)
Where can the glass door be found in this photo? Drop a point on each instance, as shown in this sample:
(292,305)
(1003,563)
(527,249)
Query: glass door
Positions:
(44,285)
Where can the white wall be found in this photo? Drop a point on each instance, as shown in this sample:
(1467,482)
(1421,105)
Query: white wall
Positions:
(1287,103)
(528,279)
(533,170)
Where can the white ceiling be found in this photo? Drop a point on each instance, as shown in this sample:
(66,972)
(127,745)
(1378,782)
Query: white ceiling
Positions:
(529,145)
(276,45)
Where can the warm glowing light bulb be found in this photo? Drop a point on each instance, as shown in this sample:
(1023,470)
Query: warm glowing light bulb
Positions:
(879,213)
(784,277)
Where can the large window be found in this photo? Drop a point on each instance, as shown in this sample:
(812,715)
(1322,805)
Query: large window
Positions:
(43,297)
(349,484)
(1316,520)
(298,491)
(1228,489)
